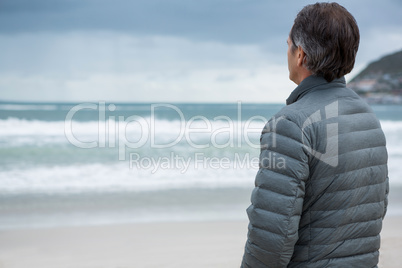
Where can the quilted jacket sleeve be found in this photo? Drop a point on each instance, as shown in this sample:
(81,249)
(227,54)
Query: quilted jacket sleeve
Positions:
(386,197)
(277,200)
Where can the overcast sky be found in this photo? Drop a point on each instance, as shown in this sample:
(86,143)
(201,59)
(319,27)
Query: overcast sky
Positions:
(165,50)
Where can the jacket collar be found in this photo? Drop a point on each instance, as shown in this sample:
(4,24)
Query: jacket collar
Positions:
(308,84)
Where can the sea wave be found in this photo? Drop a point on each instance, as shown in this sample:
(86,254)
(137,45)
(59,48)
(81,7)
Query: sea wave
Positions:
(220,133)
(134,132)
(37,156)
(27,107)
(121,177)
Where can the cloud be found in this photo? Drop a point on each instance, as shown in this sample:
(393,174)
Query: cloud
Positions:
(78,53)
(223,20)
(96,66)
(268,84)
(158,50)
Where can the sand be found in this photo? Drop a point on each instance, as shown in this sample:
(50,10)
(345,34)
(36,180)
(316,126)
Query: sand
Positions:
(202,244)
(183,244)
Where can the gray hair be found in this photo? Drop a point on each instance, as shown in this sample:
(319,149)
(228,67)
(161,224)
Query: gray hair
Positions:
(329,36)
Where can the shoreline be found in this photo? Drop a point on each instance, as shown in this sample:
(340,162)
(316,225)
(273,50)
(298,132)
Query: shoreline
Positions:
(172,244)
(169,244)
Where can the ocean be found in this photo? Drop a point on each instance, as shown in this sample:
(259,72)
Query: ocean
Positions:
(77,164)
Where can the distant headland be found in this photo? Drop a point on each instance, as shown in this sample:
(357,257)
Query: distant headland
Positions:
(381,81)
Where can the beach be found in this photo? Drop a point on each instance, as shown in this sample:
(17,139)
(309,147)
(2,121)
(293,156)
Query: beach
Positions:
(184,244)
(212,244)
(167,203)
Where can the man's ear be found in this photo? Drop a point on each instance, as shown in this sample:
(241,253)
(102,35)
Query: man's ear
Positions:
(300,56)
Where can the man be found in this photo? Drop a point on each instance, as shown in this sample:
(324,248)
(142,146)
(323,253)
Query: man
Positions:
(325,205)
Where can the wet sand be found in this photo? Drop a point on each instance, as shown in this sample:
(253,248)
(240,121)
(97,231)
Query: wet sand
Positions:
(182,244)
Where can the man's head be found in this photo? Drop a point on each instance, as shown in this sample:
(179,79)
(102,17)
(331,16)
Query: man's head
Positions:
(323,41)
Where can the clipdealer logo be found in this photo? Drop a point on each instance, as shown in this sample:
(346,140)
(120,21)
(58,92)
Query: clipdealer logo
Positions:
(331,154)
(112,133)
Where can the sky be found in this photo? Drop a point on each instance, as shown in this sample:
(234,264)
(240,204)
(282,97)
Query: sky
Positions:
(165,50)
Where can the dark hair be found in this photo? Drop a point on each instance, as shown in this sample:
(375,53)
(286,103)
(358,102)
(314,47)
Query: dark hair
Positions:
(329,36)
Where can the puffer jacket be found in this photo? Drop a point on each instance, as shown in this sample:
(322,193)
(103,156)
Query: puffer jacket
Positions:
(321,191)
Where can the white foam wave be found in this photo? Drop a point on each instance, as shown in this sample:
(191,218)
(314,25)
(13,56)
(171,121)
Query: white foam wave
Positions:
(14,126)
(15,131)
(393,134)
(28,107)
(20,132)
(118,177)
